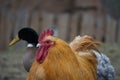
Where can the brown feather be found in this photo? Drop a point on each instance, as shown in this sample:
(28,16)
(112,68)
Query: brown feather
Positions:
(86,43)
(61,63)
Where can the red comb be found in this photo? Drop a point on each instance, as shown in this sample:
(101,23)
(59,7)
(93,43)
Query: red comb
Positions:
(48,32)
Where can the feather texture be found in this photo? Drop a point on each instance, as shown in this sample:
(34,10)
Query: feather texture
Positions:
(61,63)
(105,70)
(80,45)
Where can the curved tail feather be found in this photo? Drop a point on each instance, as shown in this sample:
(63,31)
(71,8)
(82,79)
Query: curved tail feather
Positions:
(105,70)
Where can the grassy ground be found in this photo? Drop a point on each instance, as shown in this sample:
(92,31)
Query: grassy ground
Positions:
(11,65)
(11,62)
(113,52)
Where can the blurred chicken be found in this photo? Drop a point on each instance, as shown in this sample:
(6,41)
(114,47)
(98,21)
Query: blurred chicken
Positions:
(105,70)
(55,60)
(29,35)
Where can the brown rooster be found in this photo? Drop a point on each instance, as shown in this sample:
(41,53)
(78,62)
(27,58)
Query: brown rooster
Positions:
(55,60)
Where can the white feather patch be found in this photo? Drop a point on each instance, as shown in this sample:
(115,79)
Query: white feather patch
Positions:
(30,45)
(78,38)
(38,45)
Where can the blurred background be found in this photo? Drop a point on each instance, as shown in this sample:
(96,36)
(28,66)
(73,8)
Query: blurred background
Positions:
(97,18)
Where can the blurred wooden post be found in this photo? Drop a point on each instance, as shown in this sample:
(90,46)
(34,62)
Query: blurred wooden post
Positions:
(22,17)
(100,27)
(47,20)
(5,29)
(88,23)
(118,35)
(110,29)
(100,22)
(35,21)
(74,25)
(2,30)
(63,26)
(10,21)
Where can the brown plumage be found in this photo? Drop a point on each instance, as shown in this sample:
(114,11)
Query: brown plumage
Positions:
(55,60)
(84,43)
(82,47)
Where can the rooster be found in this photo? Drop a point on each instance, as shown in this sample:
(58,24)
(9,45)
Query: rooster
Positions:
(55,60)
(105,71)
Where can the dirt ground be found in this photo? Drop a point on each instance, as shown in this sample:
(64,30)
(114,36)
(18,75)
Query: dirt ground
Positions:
(11,62)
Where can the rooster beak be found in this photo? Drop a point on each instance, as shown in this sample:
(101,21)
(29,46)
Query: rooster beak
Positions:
(38,45)
(15,40)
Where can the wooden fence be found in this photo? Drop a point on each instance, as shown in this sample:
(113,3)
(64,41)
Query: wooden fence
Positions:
(69,24)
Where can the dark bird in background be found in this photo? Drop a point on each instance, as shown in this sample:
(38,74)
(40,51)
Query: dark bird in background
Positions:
(105,70)
(29,35)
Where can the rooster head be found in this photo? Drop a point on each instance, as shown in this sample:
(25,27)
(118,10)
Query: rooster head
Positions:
(45,42)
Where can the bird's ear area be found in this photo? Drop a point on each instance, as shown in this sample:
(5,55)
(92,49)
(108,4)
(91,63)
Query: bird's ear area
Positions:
(15,40)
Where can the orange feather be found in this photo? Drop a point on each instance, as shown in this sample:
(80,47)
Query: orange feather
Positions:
(61,63)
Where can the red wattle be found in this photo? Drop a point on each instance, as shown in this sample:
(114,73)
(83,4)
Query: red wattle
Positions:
(41,54)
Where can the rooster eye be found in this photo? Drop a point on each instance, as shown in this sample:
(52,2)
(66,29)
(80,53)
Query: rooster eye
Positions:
(48,41)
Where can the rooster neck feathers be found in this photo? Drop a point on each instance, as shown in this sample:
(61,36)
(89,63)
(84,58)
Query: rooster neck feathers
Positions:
(60,63)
